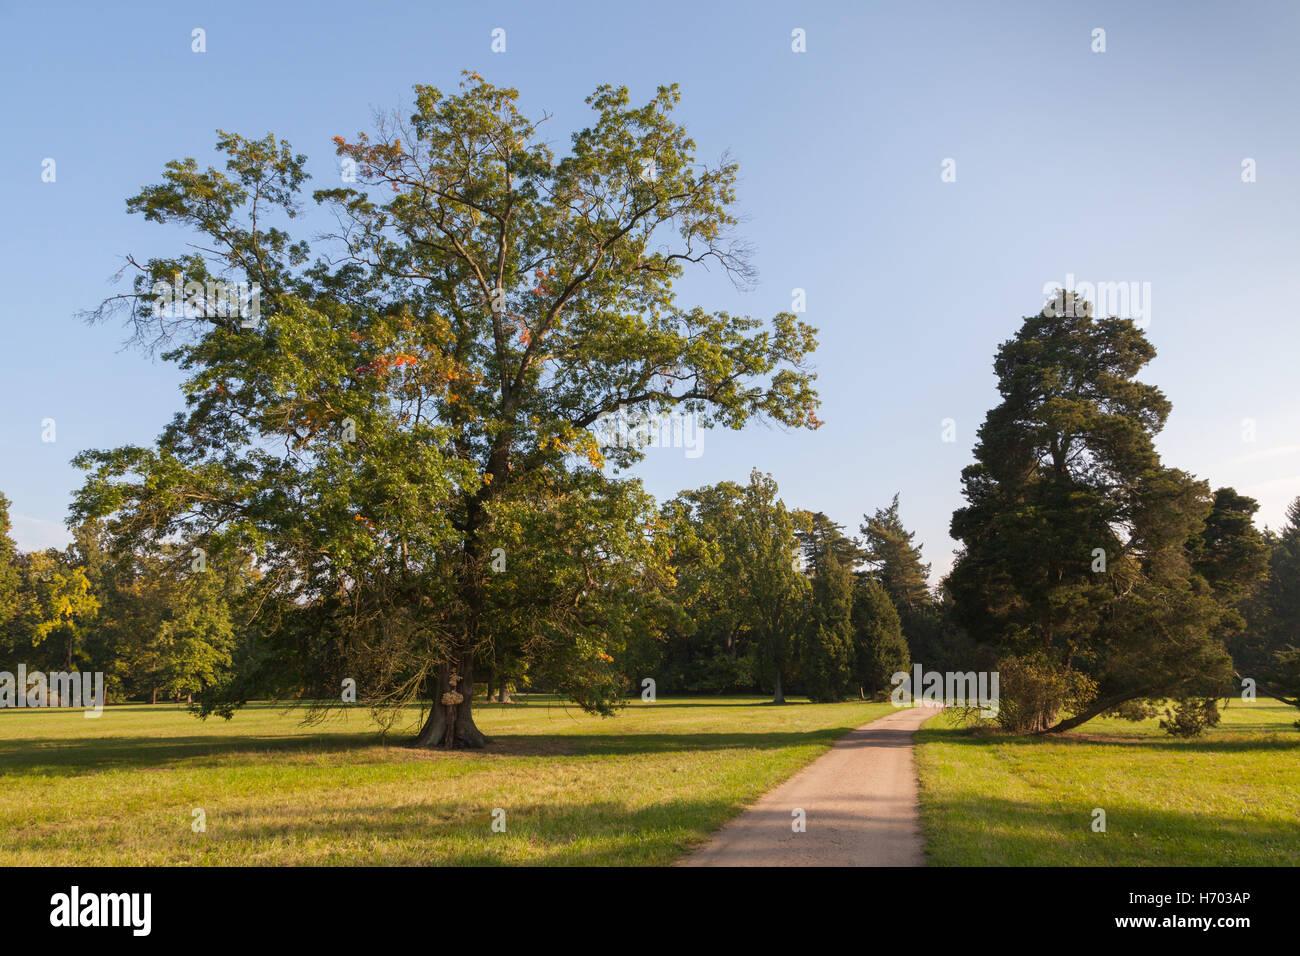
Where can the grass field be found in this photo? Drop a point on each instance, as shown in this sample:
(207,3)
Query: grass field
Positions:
(1230,798)
(639,788)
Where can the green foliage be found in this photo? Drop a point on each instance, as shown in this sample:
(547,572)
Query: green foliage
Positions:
(768,594)
(53,607)
(1034,691)
(9,579)
(429,393)
(1268,647)
(1081,551)
(895,560)
(827,648)
(1190,718)
(819,536)
(879,647)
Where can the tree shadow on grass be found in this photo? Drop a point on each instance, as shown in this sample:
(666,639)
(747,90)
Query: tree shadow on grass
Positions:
(987,830)
(60,755)
(445,832)
(73,757)
(1222,743)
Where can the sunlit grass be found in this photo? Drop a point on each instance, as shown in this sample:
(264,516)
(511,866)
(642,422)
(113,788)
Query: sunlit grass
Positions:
(1229,798)
(639,788)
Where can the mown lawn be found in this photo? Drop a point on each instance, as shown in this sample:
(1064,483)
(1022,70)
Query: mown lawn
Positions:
(639,788)
(1229,798)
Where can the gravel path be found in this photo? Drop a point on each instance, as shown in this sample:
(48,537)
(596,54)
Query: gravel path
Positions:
(859,801)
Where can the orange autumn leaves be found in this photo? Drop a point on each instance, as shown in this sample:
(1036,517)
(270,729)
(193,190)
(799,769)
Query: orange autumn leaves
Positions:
(373,159)
(384,364)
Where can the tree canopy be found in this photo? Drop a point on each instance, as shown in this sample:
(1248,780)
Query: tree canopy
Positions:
(1081,550)
(406,434)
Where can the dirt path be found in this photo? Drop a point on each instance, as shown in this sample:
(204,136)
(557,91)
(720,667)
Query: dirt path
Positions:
(860,802)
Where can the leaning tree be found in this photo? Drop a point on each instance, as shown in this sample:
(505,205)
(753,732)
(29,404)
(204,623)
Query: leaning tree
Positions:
(408,432)
(1082,553)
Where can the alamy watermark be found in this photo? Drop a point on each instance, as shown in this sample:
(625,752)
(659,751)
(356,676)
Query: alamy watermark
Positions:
(129,910)
(57,689)
(1125,300)
(949,688)
(213,299)
(641,429)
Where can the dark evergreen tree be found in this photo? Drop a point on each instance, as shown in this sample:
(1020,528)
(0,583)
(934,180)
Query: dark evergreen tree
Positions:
(879,649)
(895,560)
(1080,549)
(827,649)
(1273,658)
(818,535)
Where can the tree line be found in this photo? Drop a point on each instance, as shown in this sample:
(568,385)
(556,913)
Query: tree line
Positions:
(394,475)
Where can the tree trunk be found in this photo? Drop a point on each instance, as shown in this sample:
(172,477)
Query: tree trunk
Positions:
(154,697)
(451,725)
(779,696)
(1096,709)
(503,692)
(460,716)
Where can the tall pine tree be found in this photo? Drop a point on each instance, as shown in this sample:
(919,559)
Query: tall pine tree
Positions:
(1080,551)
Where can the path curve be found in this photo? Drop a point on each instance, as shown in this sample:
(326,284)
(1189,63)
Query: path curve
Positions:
(860,802)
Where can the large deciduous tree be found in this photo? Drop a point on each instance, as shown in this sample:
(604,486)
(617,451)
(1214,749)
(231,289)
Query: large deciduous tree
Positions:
(408,432)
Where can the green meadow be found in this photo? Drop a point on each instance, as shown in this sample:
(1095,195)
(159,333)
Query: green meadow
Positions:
(1229,798)
(638,788)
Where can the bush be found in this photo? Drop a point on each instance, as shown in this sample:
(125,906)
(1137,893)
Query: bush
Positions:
(1034,692)
(1191,718)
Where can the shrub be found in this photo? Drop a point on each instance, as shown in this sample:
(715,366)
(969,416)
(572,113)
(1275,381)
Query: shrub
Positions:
(1190,718)
(1035,691)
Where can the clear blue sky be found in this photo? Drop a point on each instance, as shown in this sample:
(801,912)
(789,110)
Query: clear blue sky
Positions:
(1115,166)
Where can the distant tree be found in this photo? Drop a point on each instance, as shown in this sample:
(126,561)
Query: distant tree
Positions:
(55,605)
(827,648)
(181,638)
(1232,556)
(1274,660)
(879,648)
(895,560)
(708,647)
(1230,553)
(769,595)
(819,536)
(9,577)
